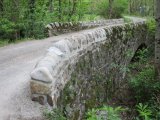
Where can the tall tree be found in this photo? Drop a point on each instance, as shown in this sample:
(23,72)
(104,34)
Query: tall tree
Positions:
(110,8)
(1,7)
(129,6)
(31,16)
(50,6)
(74,6)
(153,7)
(157,42)
(60,10)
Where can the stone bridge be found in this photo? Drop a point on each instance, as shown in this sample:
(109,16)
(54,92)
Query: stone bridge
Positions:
(78,72)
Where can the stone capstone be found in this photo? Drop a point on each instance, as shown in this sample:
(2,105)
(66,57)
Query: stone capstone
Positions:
(42,74)
(54,29)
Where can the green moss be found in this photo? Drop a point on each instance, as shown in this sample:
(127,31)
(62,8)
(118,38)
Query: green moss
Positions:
(69,67)
(91,103)
(76,115)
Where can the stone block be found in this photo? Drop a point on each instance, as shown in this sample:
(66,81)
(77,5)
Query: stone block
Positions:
(42,74)
(40,88)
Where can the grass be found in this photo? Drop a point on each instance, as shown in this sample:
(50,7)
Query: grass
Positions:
(3,43)
(91,17)
(6,42)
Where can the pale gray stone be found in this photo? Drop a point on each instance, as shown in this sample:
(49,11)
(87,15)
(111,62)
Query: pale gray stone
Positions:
(56,51)
(42,74)
(64,45)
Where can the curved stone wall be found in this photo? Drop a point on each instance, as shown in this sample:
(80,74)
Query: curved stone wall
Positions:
(57,28)
(68,76)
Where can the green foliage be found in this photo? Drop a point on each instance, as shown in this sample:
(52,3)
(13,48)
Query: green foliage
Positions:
(151,26)
(21,19)
(7,28)
(91,114)
(145,88)
(108,112)
(142,7)
(142,55)
(113,113)
(140,58)
(151,30)
(3,42)
(55,114)
(144,111)
(127,20)
(154,103)
(118,8)
(143,84)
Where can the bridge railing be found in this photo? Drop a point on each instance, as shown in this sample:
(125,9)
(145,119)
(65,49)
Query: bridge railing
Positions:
(56,28)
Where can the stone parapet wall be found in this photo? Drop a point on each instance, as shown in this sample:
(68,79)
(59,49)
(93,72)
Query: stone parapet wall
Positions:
(57,28)
(68,76)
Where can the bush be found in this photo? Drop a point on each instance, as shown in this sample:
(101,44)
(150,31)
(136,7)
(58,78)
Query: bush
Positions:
(151,25)
(106,112)
(11,31)
(7,29)
(55,114)
(118,8)
(143,84)
(144,111)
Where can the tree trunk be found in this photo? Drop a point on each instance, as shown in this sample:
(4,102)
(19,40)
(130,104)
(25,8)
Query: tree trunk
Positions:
(50,6)
(73,8)
(79,13)
(32,16)
(60,10)
(157,41)
(153,7)
(129,7)
(1,8)
(110,8)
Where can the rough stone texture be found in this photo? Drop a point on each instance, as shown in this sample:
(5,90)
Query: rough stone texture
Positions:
(56,28)
(157,40)
(40,88)
(86,66)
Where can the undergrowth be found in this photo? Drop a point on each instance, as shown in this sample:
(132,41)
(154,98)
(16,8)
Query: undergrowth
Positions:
(105,113)
(54,114)
(145,87)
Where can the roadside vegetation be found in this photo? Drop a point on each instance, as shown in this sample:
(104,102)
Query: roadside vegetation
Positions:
(21,20)
(27,19)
